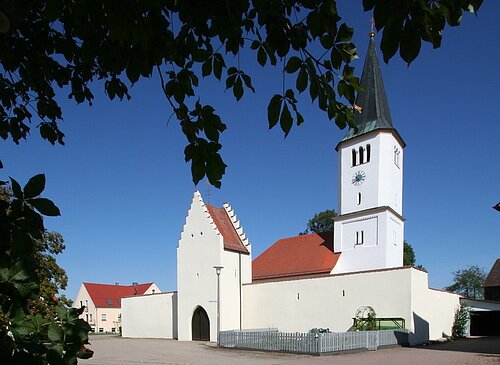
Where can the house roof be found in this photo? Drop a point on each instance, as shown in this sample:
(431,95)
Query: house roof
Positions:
(109,296)
(493,278)
(232,240)
(302,255)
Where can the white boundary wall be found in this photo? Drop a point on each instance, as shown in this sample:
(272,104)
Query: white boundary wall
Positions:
(331,302)
(150,316)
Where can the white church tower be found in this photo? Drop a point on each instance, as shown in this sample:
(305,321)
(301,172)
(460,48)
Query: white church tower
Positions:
(369,232)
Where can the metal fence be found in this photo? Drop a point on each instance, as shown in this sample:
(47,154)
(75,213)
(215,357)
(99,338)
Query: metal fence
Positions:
(311,343)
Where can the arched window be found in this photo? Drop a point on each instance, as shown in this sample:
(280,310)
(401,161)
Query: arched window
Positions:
(353,157)
(368,152)
(361,155)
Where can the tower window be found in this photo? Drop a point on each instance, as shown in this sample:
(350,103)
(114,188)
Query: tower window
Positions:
(361,155)
(359,198)
(360,237)
(368,152)
(353,157)
(397,153)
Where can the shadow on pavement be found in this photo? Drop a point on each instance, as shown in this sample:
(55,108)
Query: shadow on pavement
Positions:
(479,345)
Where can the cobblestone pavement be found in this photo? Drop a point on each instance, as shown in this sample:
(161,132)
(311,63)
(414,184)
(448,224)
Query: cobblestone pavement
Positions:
(112,350)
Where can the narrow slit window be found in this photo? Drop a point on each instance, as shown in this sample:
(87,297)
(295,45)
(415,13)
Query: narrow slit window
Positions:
(362,237)
(361,155)
(353,157)
(359,198)
(368,152)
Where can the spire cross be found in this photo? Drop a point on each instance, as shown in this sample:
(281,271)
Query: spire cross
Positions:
(372,30)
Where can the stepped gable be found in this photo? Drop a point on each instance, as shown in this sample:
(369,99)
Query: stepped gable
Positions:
(109,296)
(303,255)
(228,227)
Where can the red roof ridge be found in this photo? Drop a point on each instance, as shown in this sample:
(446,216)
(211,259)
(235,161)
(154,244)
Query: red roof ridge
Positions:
(302,255)
(225,226)
(110,295)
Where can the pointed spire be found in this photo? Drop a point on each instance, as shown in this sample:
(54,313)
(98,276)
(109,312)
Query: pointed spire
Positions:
(374,109)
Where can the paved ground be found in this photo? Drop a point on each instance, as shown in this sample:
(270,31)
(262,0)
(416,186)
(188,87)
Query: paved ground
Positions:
(111,350)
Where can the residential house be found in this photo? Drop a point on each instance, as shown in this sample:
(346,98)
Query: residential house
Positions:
(103,303)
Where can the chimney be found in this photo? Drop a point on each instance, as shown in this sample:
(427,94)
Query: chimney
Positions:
(134,283)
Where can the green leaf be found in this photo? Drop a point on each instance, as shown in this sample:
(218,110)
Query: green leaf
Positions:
(273,110)
(206,68)
(248,82)
(390,39)
(45,206)
(55,333)
(410,42)
(302,80)
(261,56)
(238,89)
(293,64)
(286,120)
(35,186)
(16,189)
(344,33)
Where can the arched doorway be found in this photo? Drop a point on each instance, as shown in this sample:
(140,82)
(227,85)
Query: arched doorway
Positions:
(200,325)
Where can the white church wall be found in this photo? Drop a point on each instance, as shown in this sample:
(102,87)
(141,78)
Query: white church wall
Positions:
(432,310)
(199,249)
(230,290)
(327,302)
(395,240)
(150,316)
(331,302)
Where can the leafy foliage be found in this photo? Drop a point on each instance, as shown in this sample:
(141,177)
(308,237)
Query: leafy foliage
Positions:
(321,222)
(26,337)
(468,282)
(63,44)
(408,255)
(461,318)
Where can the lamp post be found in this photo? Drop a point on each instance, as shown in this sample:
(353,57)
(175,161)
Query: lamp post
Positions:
(218,269)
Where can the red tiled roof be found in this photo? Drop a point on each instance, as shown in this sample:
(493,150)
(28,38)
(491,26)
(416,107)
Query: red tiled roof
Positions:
(301,255)
(232,240)
(493,278)
(109,296)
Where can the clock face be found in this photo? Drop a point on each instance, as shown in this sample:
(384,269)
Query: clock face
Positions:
(358,178)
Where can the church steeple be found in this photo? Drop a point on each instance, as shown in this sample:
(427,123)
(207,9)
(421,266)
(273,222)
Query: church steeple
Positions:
(374,113)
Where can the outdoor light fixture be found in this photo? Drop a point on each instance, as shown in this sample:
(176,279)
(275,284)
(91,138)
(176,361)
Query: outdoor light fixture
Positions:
(218,269)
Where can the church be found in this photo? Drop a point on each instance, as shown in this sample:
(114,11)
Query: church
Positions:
(307,281)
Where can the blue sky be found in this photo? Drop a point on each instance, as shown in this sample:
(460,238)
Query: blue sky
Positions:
(124,189)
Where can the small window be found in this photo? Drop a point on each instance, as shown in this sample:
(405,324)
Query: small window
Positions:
(113,330)
(396,156)
(81,303)
(90,317)
(368,152)
(109,301)
(361,155)
(360,237)
(101,330)
(359,198)
(119,316)
(353,157)
(103,317)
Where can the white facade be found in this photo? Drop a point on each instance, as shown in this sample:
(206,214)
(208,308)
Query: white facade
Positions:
(150,316)
(382,184)
(201,247)
(370,229)
(331,302)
